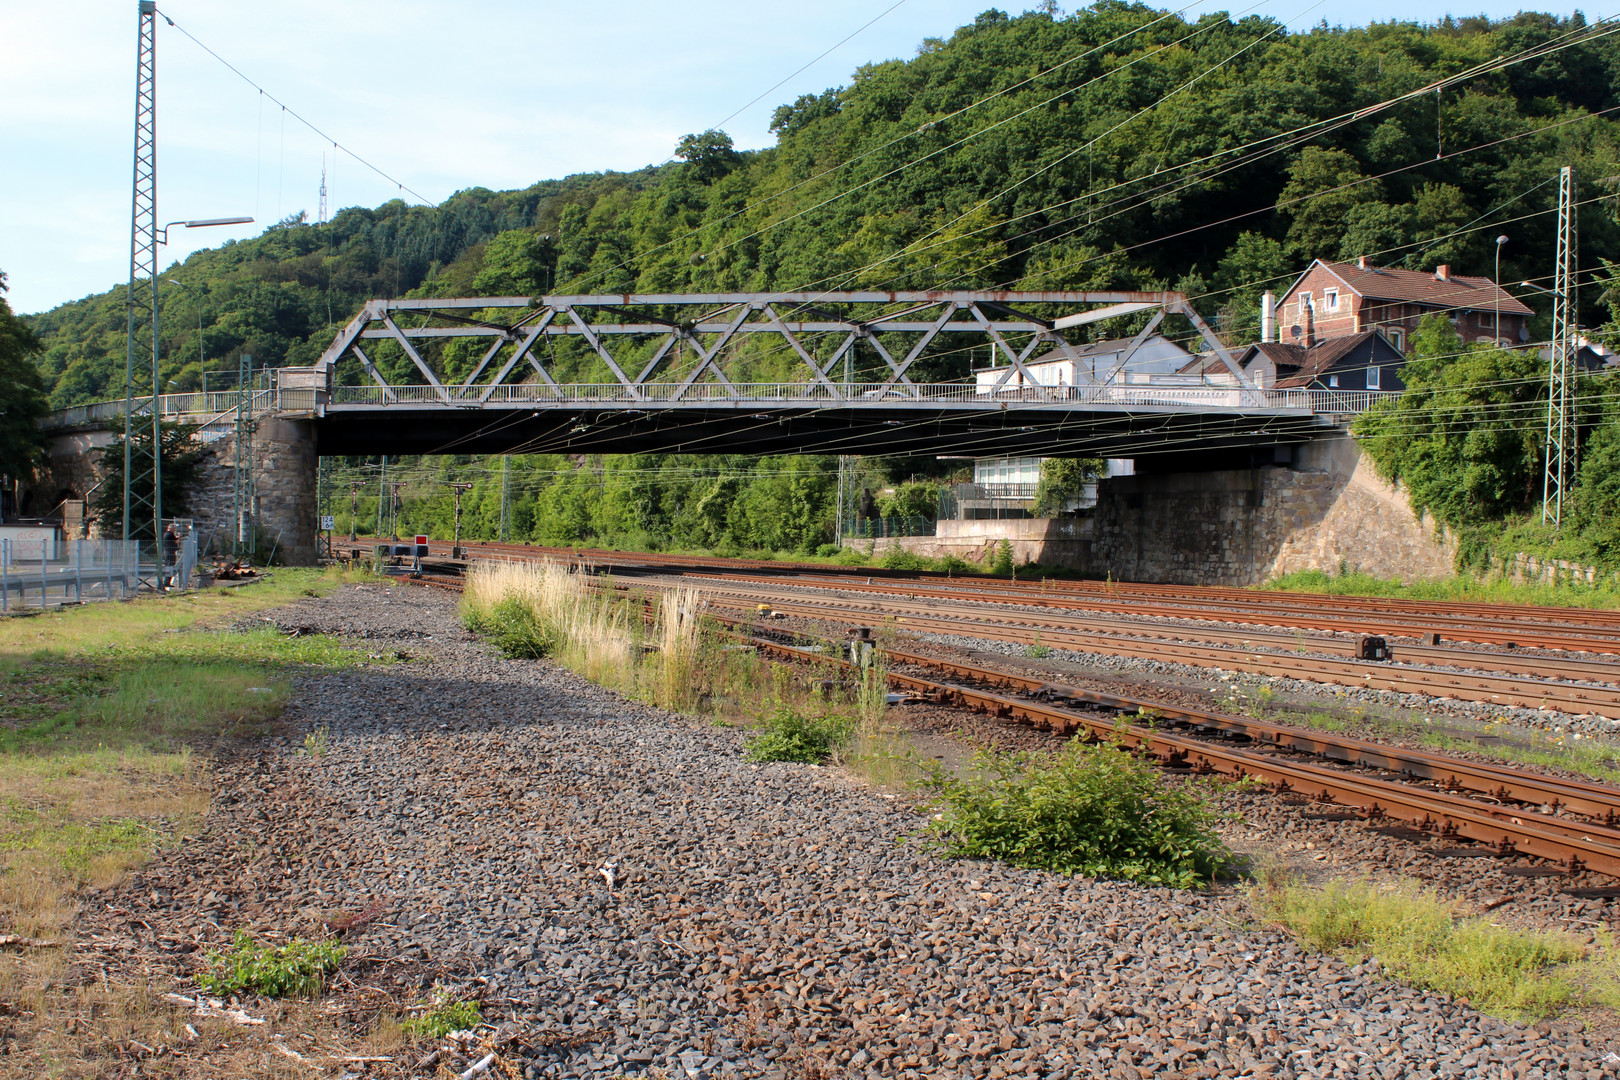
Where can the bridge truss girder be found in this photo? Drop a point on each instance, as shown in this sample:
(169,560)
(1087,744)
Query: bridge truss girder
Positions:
(723,320)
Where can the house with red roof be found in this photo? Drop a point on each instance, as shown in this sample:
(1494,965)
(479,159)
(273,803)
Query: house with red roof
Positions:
(1337,300)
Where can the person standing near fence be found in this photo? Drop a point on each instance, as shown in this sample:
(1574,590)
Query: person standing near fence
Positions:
(171,546)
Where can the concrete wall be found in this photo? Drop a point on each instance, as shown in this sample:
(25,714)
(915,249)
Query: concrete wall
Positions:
(1222,528)
(284,465)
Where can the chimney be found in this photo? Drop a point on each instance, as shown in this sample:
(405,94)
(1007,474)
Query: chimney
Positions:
(1442,272)
(1268,316)
(1361,263)
(1310,321)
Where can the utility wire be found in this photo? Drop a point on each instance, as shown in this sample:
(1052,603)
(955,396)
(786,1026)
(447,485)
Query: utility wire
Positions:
(291,112)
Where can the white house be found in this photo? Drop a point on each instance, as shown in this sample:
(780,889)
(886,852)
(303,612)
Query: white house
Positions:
(1094,363)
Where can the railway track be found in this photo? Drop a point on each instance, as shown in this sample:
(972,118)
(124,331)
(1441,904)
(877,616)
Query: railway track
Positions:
(1573,823)
(1566,629)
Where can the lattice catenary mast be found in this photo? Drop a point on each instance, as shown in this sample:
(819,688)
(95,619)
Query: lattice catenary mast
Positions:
(1560,422)
(143,263)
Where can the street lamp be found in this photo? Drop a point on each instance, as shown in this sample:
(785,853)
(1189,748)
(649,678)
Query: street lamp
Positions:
(1496,281)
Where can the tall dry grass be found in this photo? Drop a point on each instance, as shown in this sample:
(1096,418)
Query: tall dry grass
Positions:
(592,631)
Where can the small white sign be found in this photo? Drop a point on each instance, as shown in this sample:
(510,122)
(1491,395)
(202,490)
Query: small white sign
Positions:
(328,521)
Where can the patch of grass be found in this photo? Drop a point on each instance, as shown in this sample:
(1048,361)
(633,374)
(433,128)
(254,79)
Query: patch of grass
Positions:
(1417,937)
(793,734)
(298,968)
(1458,587)
(1087,809)
(445,1016)
(517,630)
(317,741)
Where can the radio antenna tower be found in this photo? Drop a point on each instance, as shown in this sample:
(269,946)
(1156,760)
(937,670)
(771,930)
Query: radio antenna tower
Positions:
(1560,422)
(320,216)
(143,263)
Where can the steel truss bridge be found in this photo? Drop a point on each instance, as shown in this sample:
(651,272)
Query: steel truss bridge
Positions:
(682,393)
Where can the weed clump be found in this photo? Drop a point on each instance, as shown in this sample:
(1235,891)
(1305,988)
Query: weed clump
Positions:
(791,735)
(445,1016)
(297,968)
(1088,809)
(1416,937)
(517,630)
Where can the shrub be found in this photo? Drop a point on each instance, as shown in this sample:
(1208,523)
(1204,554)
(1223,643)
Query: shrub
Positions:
(298,967)
(789,735)
(1003,561)
(517,630)
(1088,809)
(826,551)
(445,1016)
(953,565)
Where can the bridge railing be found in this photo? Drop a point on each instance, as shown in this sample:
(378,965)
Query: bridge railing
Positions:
(217,408)
(1339,402)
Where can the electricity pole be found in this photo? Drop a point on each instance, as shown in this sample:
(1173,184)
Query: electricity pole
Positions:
(382,494)
(393,487)
(1560,422)
(506,498)
(143,261)
(354,508)
(458,486)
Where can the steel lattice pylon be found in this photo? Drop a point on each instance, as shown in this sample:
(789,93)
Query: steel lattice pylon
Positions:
(143,264)
(1560,422)
(242,502)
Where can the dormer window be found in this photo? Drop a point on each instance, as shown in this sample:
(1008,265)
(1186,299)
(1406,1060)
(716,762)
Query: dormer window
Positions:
(1330,299)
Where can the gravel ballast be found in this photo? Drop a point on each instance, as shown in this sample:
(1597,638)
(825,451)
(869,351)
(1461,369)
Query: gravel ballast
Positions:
(634,894)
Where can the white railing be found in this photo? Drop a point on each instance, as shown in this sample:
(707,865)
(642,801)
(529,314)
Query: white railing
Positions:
(219,407)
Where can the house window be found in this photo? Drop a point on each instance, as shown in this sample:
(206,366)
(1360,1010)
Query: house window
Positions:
(1372,377)
(1304,305)
(1333,382)
(1397,338)
(1330,299)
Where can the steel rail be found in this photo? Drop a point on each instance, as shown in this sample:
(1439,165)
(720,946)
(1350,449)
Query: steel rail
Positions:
(1491,689)
(1542,666)
(1574,845)
(1426,617)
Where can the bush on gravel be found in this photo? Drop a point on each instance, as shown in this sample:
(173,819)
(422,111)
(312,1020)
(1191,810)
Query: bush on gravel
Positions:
(516,629)
(445,1016)
(1088,809)
(299,967)
(791,735)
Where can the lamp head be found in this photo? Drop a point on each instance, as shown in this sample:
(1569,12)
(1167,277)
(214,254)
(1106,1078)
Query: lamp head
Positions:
(1500,240)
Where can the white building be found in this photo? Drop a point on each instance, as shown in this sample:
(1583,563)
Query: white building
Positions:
(1097,362)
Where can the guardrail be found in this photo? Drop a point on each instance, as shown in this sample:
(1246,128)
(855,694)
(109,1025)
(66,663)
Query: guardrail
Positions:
(220,406)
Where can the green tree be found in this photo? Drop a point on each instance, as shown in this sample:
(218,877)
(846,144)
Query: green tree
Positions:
(22,395)
(1323,187)
(1062,481)
(181,456)
(1465,437)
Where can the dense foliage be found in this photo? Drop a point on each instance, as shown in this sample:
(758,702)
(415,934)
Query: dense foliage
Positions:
(1467,441)
(22,395)
(1100,149)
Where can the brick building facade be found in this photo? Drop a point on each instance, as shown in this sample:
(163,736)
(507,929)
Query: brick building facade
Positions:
(1335,300)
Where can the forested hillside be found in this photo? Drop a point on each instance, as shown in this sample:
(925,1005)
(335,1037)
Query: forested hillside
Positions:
(1118,147)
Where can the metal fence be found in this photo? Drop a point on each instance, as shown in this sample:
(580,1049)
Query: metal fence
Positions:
(43,573)
(877,528)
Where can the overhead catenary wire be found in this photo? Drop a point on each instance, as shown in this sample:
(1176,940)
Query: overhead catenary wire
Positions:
(399,184)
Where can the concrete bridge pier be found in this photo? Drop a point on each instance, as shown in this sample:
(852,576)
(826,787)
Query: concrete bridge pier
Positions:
(284,471)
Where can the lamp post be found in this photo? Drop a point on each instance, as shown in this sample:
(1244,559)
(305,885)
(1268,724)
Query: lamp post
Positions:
(1496,282)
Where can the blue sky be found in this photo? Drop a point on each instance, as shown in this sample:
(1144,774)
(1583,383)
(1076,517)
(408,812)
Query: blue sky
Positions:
(492,93)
